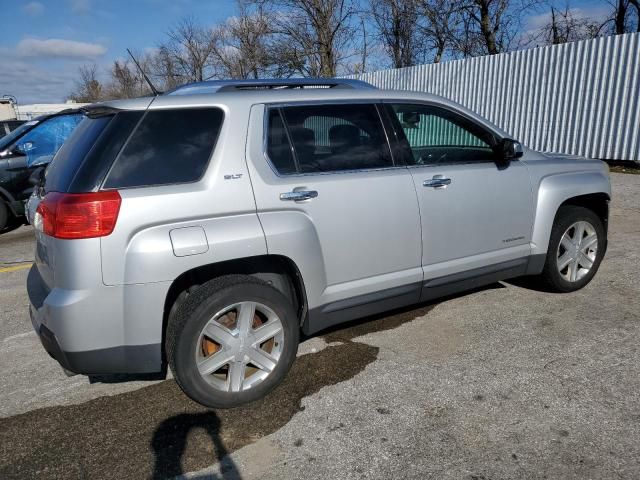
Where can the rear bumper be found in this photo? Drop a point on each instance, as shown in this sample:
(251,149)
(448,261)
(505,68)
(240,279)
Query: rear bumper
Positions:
(67,319)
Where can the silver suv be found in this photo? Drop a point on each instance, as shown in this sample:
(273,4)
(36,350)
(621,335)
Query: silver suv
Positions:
(205,228)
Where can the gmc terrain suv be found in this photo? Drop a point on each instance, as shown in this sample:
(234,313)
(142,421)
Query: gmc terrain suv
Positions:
(205,228)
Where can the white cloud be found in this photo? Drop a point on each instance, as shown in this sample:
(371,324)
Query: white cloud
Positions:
(34,9)
(54,47)
(39,80)
(595,13)
(80,7)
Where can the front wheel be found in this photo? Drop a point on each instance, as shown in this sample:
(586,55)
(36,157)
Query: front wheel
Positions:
(232,341)
(576,247)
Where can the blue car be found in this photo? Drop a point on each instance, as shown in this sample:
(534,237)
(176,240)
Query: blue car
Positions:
(23,153)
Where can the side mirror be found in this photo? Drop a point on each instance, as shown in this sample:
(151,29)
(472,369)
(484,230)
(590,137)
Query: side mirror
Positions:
(510,150)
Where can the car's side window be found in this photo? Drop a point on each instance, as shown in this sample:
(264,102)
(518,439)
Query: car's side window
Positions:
(438,136)
(167,147)
(329,138)
(278,146)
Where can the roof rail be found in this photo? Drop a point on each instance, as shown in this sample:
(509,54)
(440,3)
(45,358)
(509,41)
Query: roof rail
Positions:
(216,86)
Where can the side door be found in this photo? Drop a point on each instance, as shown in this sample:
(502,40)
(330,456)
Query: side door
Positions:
(331,198)
(477,212)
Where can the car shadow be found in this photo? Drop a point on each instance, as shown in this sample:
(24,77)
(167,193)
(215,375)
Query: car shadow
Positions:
(389,319)
(530,283)
(169,443)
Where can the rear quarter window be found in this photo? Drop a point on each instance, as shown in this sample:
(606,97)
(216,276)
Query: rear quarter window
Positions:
(167,147)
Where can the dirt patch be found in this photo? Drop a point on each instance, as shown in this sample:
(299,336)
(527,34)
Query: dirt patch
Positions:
(158,432)
(631,168)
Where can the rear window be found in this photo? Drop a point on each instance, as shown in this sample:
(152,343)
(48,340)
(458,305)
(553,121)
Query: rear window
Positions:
(67,161)
(167,147)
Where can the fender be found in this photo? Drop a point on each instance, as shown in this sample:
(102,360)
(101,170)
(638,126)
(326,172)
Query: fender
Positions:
(293,235)
(556,189)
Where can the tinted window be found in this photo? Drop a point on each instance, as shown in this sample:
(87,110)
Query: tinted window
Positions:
(168,146)
(330,138)
(68,160)
(42,142)
(278,146)
(436,135)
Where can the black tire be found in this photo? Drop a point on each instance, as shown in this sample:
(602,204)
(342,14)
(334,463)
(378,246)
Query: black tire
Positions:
(4,215)
(567,216)
(183,331)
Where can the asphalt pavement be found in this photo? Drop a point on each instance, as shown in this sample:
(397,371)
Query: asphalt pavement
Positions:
(506,382)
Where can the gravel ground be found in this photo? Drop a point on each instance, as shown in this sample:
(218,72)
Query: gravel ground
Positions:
(505,382)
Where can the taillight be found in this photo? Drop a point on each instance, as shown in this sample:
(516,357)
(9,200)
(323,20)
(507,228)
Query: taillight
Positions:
(79,215)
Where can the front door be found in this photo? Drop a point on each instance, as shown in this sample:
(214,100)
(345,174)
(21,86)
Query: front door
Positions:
(476,212)
(331,198)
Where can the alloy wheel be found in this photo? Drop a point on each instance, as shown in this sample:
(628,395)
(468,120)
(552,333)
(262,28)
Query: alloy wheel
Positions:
(239,346)
(577,251)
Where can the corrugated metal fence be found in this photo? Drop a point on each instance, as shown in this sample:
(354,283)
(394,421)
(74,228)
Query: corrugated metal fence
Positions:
(580,98)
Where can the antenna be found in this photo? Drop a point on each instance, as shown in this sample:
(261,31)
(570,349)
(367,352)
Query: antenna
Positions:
(144,75)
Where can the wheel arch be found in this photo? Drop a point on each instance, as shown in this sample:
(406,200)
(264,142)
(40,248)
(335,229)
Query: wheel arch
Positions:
(277,270)
(591,190)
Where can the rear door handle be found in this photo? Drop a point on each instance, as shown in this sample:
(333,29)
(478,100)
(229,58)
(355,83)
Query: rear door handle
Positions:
(299,195)
(438,181)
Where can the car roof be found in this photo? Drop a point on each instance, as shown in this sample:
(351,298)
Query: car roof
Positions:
(243,97)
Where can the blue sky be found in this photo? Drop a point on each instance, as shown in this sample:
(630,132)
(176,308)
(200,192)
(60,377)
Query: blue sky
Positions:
(43,43)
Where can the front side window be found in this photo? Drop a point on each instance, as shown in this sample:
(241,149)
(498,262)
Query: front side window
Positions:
(436,136)
(41,143)
(167,147)
(329,138)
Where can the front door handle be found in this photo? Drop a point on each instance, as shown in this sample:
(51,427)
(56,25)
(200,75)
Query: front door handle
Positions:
(299,195)
(438,181)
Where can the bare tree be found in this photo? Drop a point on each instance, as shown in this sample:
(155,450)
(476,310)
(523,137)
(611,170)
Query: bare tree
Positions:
(622,16)
(165,70)
(314,36)
(439,18)
(622,19)
(397,25)
(241,45)
(88,88)
(189,48)
(636,4)
(126,80)
(489,26)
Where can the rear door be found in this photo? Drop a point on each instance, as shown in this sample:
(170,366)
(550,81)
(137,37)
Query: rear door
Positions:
(476,213)
(331,197)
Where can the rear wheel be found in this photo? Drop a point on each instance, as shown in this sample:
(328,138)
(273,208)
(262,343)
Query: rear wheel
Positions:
(231,341)
(576,247)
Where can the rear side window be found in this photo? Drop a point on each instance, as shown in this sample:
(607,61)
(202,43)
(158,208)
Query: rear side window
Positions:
(167,147)
(330,138)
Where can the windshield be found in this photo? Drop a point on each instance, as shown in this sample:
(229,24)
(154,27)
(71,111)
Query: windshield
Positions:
(11,136)
(41,143)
